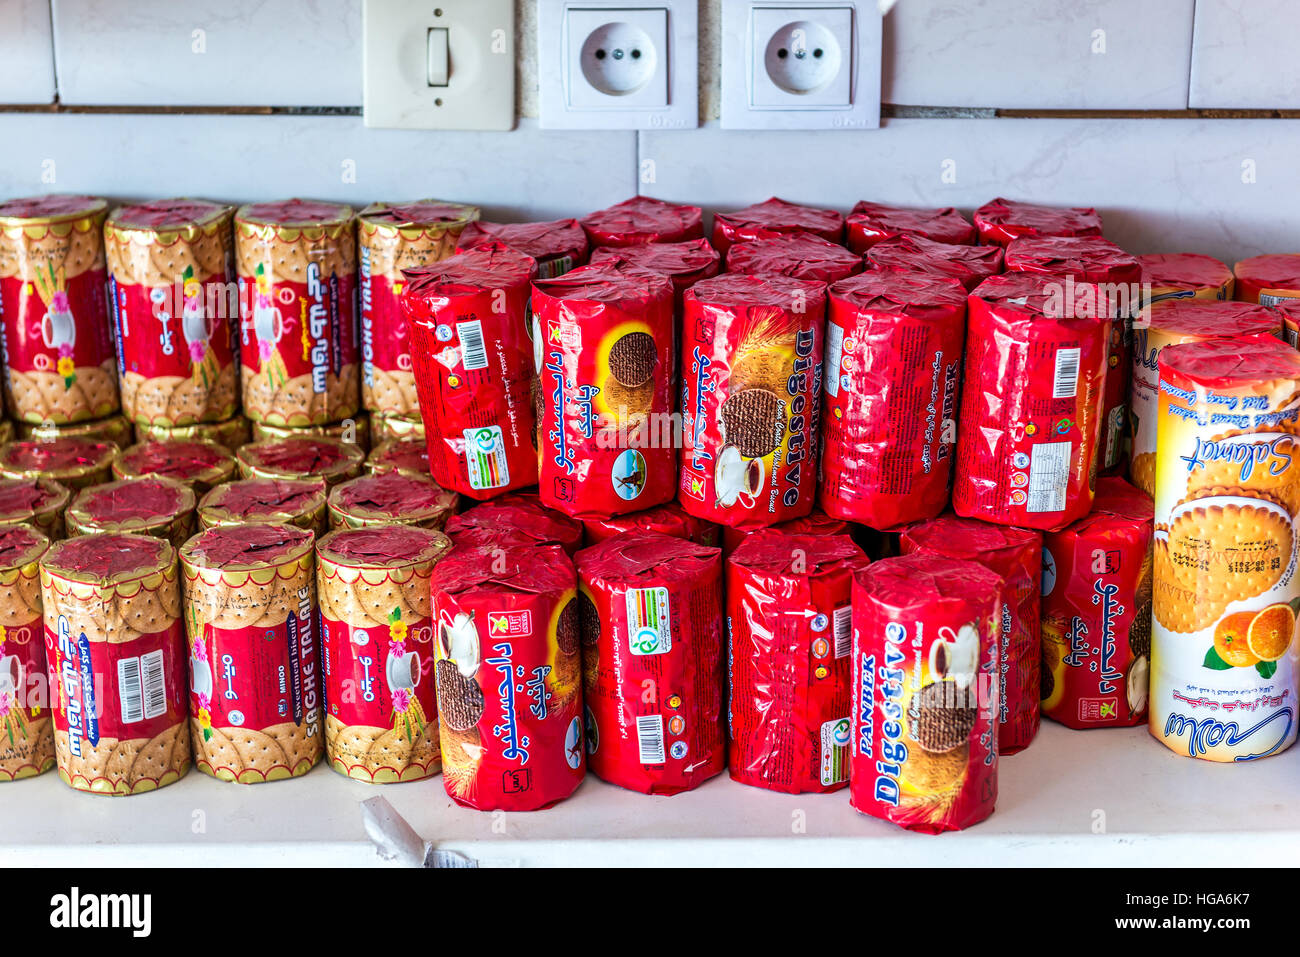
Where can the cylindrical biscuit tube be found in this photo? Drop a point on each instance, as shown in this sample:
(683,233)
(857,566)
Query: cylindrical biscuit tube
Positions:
(175,310)
(322,458)
(653,667)
(1000,221)
(385,427)
(606,341)
(815,522)
(1185,276)
(641,220)
(557,246)
(229,434)
(924,750)
(685,263)
(969,265)
(1031,406)
(1097,588)
(150,505)
(26,732)
(297,282)
(507,664)
(115,652)
(400,455)
(255,678)
(115,428)
(797,255)
(199,464)
(1169,322)
(774,217)
(38,502)
(893,371)
(381,720)
(667,519)
(351,431)
(58,350)
(790,622)
(390,498)
(1016,556)
(299,502)
(515,520)
(475,384)
(72,462)
(1224,662)
(1268,280)
(872,223)
(751,396)
(392,237)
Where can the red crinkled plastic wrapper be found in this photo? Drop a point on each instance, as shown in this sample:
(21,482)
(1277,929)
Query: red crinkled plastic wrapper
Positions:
(772,217)
(791,660)
(468,317)
(394,493)
(1032,393)
(969,265)
(606,372)
(902,609)
(999,221)
(797,255)
(1097,616)
(1016,556)
(667,519)
(651,609)
(1182,275)
(508,671)
(685,263)
(1268,279)
(1224,364)
(643,220)
(514,519)
(264,496)
(893,370)
(405,455)
(57,454)
(145,498)
(815,522)
(558,246)
(104,557)
(870,223)
(758,343)
(224,546)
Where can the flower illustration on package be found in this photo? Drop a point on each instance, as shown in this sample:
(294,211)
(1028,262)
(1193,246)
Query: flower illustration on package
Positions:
(58,327)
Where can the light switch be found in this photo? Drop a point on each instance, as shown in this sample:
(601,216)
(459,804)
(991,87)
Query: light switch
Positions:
(438,56)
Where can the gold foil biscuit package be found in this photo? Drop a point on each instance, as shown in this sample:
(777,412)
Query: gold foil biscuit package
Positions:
(390,498)
(26,731)
(114,428)
(299,502)
(351,431)
(410,455)
(385,427)
(198,464)
(72,462)
(39,502)
(151,505)
(323,458)
(230,434)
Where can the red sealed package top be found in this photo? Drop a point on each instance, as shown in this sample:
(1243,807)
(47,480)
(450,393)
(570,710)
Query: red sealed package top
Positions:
(1224,363)
(296,212)
(514,520)
(145,498)
(1085,258)
(196,461)
(999,221)
(558,246)
(869,223)
(969,265)
(164,215)
(1208,318)
(815,522)
(20,545)
(247,547)
(487,265)
(651,611)
(798,255)
(57,455)
(1186,274)
(259,498)
(395,494)
(772,217)
(400,455)
(790,614)
(111,558)
(643,220)
(668,519)
(302,455)
(48,209)
(1268,279)
(25,497)
(685,263)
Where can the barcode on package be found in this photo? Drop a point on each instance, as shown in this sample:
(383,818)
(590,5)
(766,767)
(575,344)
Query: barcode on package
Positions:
(649,630)
(485,457)
(842,619)
(1065,384)
(1049,476)
(650,738)
(142,687)
(1268,299)
(473,351)
(834,352)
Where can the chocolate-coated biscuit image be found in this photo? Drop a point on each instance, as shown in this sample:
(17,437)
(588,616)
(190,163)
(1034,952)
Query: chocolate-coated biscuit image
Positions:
(460,699)
(632,359)
(750,421)
(943,716)
(590,619)
(568,631)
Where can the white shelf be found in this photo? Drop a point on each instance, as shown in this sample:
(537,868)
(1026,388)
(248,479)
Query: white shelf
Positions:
(1159,809)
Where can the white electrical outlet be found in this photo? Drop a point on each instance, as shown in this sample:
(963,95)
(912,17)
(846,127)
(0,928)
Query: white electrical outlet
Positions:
(788,64)
(441,65)
(604,64)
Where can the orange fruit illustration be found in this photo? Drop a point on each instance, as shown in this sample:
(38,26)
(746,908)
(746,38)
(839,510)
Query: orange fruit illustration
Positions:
(1269,634)
(1230,640)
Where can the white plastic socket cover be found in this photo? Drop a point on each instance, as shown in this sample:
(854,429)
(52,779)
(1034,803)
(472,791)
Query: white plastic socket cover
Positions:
(604,64)
(788,64)
(441,65)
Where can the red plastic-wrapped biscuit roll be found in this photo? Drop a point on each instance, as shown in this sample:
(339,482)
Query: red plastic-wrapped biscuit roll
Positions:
(1096,608)
(26,731)
(58,347)
(773,217)
(1033,383)
(389,498)
(38,502)
(299,502)
(1016,556)
(641,220)
(150,505)
(893,371)
(797,255)
(999,221)
(685,263)
(322,458)
(751,390)
(815,522)
(969,265)
(653,665)
(790,619)
(1185,276)
(200,465)
(176,323)
(475,367)
(514,519)
(509,677)
(667,519)
(925,734)
(872,223)
(73,462)
(606,338)
(1268,280)
(557,246)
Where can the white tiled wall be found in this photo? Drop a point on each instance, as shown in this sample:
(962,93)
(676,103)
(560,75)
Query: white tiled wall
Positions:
(26,61)
(1245,54)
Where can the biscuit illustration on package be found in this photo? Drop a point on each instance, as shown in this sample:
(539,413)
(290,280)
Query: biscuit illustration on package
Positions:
(515,519)
(297,268)
(1000,221)
(72,462)
(26,732)
(774,217)
(797,255)
(151,505)
(115,653)
(641,220)
(170,271)
(390,498)
(350,431)
(969,265)
(377,638)
(391,238)
(322,458)
(299,502)
(38,502)
(255,678)
(199,464)
(230,434)
(410,455)
(870,224)
(58,351)
(114,428)
(556,246)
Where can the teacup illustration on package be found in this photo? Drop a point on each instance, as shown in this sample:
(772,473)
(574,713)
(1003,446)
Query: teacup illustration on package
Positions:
(956,655)
(737,479)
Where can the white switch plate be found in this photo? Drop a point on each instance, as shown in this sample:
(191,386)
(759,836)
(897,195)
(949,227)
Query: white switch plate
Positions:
(398,46)
(606,64)
(800,64)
